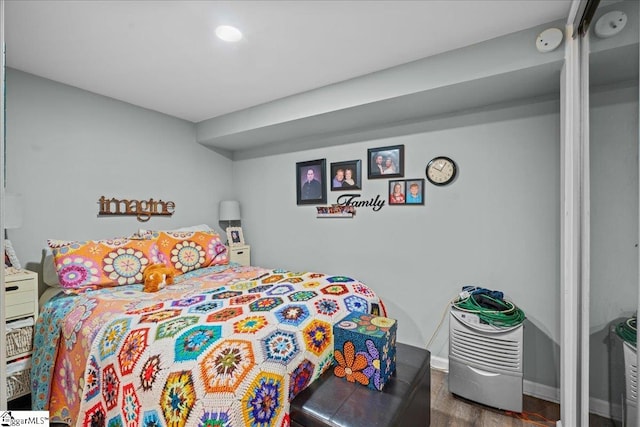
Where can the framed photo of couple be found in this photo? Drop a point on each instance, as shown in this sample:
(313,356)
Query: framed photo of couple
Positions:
(386,162)
(406,192)
(346,175)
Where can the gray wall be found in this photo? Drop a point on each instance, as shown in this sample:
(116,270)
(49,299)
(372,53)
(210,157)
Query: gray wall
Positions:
(67,147)
(496,226)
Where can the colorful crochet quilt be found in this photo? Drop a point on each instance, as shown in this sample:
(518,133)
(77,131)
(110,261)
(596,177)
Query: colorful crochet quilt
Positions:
(223,346)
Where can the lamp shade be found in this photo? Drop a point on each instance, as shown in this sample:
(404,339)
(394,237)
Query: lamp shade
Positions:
(229,210)
(12,210)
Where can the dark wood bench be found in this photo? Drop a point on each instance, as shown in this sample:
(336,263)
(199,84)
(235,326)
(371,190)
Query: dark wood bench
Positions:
(404,401)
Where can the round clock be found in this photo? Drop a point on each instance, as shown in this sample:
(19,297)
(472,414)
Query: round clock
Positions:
(441,170)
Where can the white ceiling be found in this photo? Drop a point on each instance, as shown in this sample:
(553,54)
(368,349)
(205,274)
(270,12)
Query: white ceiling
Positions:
(163,55)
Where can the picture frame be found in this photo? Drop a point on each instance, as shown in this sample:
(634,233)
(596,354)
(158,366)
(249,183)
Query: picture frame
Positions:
(385,162)
(10,257)
(406,192)
(235,237)
(335,211)
(311,182)
(346,175)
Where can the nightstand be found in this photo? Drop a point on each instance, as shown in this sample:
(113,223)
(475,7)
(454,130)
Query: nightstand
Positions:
(240,254)
(21,312)
(21,295)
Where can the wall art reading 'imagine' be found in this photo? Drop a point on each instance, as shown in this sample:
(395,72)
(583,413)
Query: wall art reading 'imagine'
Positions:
(143,210)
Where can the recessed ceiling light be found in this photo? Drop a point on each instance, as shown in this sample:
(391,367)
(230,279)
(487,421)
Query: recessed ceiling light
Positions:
(228,33)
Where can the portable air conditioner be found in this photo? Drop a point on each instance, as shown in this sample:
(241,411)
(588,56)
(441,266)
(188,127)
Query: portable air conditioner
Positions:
(631,384)
(485,362)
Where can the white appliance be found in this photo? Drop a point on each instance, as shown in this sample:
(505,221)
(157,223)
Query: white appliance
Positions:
(631,384)
(485,362)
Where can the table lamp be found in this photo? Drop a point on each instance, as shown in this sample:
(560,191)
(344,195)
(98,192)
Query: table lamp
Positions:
(12,212)
(229,211)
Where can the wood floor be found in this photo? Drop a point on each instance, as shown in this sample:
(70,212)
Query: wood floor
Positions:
(448,410)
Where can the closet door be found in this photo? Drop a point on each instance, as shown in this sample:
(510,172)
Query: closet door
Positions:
(613,184)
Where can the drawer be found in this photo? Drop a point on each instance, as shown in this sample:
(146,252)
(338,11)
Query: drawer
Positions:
(241,256)
(19,310)
(17,286)
(20,297)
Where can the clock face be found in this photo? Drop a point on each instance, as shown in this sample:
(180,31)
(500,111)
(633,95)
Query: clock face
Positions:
(441,170)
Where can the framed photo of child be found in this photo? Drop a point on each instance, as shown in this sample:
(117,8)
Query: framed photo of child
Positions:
(235,236)
(406,192)
(415,192)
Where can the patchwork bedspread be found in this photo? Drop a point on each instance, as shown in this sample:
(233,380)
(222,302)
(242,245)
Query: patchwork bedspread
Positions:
(223,346)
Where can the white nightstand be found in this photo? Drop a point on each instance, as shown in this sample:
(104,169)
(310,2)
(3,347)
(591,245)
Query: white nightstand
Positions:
(240,254)
(21,311)
(21,295)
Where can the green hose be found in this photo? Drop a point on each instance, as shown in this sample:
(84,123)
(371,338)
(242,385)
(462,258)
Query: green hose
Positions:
(507,316)
(627,330)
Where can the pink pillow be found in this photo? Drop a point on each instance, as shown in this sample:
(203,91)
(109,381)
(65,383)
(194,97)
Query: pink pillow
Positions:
(96,263)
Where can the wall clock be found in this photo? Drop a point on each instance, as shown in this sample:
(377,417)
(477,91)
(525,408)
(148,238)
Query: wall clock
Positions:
(441,170)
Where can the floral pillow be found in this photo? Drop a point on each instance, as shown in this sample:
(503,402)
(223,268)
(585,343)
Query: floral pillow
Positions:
(96,263)
(190,250)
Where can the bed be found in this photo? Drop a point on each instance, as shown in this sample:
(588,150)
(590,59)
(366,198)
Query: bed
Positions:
(224,345)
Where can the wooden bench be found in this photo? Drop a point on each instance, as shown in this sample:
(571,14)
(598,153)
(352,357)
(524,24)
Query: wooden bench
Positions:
(404,401)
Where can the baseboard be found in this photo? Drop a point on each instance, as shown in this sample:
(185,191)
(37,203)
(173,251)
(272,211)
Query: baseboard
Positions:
(548,393)
(440,363)
(541,391)
(605,409)
(552,394)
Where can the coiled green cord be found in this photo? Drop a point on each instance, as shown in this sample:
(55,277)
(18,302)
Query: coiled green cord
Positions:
(627,330)
(511,315)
